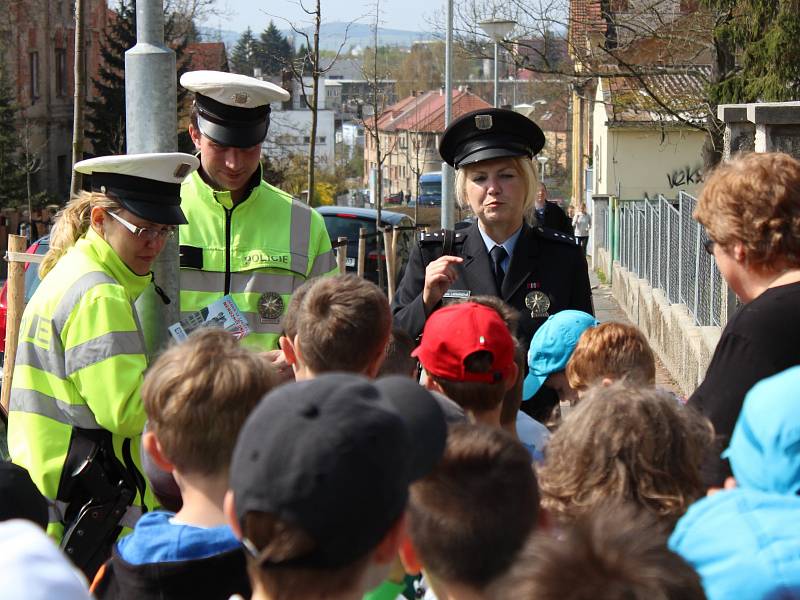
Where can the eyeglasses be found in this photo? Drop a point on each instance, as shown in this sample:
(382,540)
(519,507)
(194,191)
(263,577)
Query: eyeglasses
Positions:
(709,246)
(144,233)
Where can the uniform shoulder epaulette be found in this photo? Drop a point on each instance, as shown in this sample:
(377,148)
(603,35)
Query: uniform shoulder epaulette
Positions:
(555,235)
(437,237)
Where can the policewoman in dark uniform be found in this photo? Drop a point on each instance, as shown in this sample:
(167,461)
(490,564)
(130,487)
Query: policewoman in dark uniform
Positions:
(505,253)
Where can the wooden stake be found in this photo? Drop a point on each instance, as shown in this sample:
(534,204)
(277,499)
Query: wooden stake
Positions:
(362,251)
(341,254)
(16,304)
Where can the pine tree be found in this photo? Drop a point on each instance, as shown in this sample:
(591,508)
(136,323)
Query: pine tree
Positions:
(764,35)
(106,116)
(12,175)
(275,52)
(245,54)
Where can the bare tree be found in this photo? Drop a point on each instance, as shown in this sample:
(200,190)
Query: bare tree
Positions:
(310,63)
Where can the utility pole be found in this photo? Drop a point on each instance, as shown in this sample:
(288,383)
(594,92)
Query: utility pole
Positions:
(448,200)
(78,97)
(151,123)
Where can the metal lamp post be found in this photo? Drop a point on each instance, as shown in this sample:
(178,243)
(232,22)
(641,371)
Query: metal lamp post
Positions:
(497,29)
(542,161)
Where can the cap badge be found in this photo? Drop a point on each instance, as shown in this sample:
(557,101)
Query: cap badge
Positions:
(182,170)
(270,306)
(538,303)
(240,97)
(483,122)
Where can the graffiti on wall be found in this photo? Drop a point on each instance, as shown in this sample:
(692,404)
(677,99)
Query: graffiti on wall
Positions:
(685,176)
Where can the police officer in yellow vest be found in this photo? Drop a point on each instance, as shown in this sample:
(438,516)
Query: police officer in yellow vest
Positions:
(245,237)
(76,415)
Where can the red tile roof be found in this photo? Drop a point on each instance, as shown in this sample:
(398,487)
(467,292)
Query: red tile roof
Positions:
(585,19)
(209,56)
(425,112)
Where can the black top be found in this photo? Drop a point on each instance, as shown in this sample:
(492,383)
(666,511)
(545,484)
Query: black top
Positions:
(543,260)
(215,577)
(761,339)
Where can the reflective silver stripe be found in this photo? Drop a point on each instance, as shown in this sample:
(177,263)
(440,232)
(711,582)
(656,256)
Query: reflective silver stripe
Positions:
(242,282)
(56,509)
(299,236)
(33,402)
(31,355)
(133,514)
(202,281)
(102,347)
(254,320)
(74,294)
(323,263)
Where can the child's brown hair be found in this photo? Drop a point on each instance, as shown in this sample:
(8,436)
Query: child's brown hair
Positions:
(197,396)
(616,552)
(343,324)
(611,351)
(635,444)
(469,518)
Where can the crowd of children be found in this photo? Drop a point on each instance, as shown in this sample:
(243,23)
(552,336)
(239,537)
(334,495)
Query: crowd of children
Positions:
(393,469)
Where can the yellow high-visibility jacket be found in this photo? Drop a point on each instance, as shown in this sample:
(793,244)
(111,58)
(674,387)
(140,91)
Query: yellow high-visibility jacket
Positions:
(80,363)
(258,251)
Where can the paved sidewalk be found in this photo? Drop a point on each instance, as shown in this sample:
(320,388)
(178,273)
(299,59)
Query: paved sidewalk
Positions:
(606,308)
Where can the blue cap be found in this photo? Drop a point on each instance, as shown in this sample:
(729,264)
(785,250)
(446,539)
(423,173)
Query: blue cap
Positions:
(743,544)
(552,345)
(764,451)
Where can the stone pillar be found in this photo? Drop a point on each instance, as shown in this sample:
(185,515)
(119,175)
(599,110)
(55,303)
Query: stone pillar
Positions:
(777,126)
(739,132)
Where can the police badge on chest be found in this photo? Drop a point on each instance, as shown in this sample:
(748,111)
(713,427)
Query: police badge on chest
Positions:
(270,307)
(537,302)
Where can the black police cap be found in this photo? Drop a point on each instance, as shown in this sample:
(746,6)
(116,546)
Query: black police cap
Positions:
(487,134)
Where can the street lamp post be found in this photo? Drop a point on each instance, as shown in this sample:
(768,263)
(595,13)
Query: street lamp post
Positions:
(497,29)
(542,161)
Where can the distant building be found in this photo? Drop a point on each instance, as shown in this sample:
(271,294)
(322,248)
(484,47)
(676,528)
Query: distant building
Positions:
(207,56)
(409,132)
(640,150)
(38,40)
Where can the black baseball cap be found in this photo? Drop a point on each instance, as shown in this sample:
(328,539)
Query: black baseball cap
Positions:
(487,134)
(334,456)
(19,496)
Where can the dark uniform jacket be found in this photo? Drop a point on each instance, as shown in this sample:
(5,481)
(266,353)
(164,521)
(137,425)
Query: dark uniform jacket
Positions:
(543,260)
(556,218)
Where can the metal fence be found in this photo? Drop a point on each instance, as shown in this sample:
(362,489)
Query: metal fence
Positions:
(658,240)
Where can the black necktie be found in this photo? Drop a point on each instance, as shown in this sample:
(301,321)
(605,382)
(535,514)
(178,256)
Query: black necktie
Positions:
(498,255)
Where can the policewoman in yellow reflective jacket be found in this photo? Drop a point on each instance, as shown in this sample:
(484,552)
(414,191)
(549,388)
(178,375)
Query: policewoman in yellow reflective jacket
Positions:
(245,237)
(76,415)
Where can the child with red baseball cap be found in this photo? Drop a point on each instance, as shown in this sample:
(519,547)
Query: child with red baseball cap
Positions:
(468,355)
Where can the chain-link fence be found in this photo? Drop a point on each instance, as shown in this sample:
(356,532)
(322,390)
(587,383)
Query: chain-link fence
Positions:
(659,241)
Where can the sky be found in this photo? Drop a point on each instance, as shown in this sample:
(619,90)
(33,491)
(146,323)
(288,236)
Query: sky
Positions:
(410,15)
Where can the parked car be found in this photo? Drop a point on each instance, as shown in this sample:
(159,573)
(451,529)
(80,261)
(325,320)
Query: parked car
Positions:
(430,189)
(344,221)
(40,246)
(396,198)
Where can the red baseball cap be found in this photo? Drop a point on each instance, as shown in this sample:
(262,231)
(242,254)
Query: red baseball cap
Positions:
(454,332)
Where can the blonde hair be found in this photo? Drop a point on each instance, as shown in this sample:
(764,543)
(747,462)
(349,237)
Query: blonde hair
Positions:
(197,396)
(755,199)
(523,166)
(629,444)
(71,223)
(614,351)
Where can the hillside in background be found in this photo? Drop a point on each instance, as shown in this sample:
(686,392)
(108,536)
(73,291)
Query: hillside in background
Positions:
(331,36)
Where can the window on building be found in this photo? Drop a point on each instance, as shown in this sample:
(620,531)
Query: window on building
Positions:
(63,174)
(61,72)
(306,139)
(322,139)
(34,73)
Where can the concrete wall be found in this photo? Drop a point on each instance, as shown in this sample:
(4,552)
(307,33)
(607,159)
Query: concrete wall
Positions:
(683,348)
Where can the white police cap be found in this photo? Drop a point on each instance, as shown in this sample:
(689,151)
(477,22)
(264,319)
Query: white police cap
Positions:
(148,185)
(232,109)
